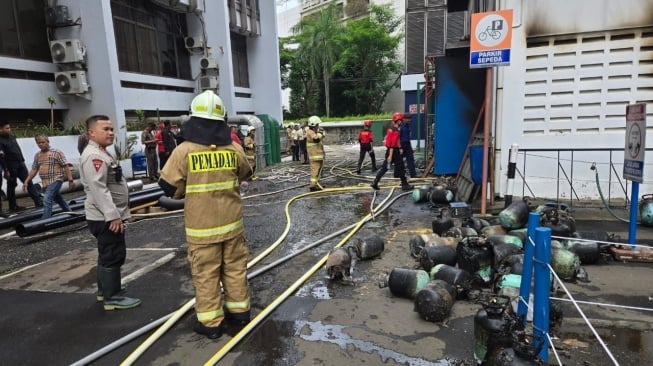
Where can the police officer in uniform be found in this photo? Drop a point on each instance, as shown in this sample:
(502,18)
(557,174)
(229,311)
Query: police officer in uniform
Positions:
(207,169)
(365,139)
(393,154)
(106,207)
(314,136)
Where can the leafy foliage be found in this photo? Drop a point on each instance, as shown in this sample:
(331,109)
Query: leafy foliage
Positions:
(341,70)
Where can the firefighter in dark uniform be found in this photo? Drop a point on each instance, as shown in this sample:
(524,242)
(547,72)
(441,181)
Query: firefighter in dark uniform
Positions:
(207,169)
(106,208)
(365,139)
(393,154)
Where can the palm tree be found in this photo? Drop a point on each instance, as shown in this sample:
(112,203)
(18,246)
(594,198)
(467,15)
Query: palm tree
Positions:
(319,43)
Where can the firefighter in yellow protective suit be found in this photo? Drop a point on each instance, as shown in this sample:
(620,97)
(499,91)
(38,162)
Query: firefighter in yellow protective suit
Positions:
(207,169)
(314,136)
(250,148)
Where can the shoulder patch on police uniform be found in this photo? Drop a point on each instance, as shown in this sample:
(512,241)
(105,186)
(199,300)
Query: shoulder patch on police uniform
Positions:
(97,163)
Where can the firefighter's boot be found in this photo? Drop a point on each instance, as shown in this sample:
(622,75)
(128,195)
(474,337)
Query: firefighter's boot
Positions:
(110,279)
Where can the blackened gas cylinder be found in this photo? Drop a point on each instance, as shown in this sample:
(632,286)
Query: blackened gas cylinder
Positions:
(514,216)
(460,279)
(475,256)
(369,247)
(434,255)
(646,210)
(588,252)
(434,302)
(492,329)
(406,282)
(520,354)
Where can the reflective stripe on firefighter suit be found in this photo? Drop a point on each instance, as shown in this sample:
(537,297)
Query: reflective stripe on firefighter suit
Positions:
(315,155)
(250,150)
(217,251)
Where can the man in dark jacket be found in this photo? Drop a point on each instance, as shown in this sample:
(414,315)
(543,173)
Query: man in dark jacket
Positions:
(14,167)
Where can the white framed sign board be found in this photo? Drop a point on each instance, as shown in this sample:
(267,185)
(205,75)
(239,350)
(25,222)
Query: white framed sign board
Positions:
(635,142)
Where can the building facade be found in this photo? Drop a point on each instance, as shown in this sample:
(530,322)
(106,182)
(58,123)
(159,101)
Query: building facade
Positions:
(114,57)
(574,68)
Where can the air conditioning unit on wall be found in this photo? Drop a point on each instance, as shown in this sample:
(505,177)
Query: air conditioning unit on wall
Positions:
(71,82)
(67,51)
(208,82)
(208,63)
(193,42)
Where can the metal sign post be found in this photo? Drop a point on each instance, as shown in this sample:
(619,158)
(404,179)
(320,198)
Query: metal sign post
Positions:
(634,159)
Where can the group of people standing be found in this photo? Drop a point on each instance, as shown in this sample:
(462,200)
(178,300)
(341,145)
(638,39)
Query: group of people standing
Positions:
(306,140)
(159,144)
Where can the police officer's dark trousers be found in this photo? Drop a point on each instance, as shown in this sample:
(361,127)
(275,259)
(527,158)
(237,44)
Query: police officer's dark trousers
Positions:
(410,159)
(399,170)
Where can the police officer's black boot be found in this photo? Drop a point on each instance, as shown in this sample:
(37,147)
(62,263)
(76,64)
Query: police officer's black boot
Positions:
(99,295)
(405,186)
(110,278)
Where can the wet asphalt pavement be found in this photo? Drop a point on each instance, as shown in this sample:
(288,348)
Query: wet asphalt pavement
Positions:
(50,315)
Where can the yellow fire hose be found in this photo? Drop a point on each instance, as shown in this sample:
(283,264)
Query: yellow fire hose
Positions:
(289,291)
(184,308)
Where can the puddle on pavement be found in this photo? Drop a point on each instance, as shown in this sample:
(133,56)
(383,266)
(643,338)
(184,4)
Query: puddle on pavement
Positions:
(331,333)
(316,290)
(629,346)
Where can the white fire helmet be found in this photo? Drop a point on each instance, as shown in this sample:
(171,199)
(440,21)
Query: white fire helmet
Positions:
(208,105)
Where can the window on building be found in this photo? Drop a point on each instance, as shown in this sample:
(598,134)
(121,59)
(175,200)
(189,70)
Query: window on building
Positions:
(22,30)
(239,58)
(150,39)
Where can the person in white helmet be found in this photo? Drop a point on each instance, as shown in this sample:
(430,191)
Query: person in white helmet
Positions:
(250,147)
(208,169)
(314,136)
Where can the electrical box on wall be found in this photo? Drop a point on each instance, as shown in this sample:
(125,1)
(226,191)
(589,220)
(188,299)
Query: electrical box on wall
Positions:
(71,82)
(67,51)
(57,16)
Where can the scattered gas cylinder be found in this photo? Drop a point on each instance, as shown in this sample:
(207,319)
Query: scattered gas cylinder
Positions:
(474,223)
(493,328)
(434,302)
(460,232)
(565,263)
(522,234)
(338,264)
(369,247)
(493,230)
(406,282)
(646,210)
(588,252)
(440,195)
(521,353)
(475,256)
(512,264)
(505,239)
(421,195)
(514,216)
(502,251)
(441,225)
(434,255)
(460,279)
(508,285)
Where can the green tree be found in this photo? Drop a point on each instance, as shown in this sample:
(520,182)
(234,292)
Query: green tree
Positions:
(369,62)
(319,45)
